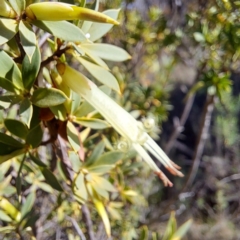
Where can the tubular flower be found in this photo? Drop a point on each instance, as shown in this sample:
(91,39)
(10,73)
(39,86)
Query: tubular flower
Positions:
(122,121)
(56,11)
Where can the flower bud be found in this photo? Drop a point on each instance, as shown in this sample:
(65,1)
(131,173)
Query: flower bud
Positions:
(55,11)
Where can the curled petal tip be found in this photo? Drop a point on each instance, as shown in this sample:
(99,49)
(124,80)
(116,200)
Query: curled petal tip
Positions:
(174,171)
(175,165)
(166,181)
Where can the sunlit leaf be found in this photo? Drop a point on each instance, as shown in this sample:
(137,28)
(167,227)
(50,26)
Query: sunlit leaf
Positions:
(93,123)
(97,30)
(34,136)
(101,74)
(9,70)
(62,29)
(109,158)
(102,212)
(81,187)
(182,230)
(26,111)
(28,38)
(47,97)
(28,204)
(18,5)
(30,69)
(16,127)
(8,28)
(107,51)
(73,137)
(96,153)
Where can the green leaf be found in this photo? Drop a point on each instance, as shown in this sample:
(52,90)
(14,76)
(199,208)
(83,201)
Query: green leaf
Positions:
(8,28)
(37,161)
(171,227)
(9,70)
(8,85)
(26,111)
(10,155)
(7,229)
(48,97)
(76,99)
(101,74)
(28,38)
(8,140)
(18,5)
(60,112)
(62,29)
(81,187)
(16,127)
(30,69)
(97,30)
(27,206)
(4,217)
(51,179)
(103,183)
(93,123)
(73,136)
(103,214)
(100,169)
(34,136)
(182,230)
(97,152)
(109,158)
(107,51)
(84,109)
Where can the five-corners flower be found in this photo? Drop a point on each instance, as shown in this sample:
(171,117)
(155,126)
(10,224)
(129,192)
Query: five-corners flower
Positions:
(121,120)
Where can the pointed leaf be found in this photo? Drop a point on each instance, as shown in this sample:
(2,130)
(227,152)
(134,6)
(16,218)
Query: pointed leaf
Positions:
(8,140)
(18,5)
(107,51)
(109,158)
(76,99)
(72,135)
(4,217)
(37,161)
(97,152)
(60,112)
(8,85)
(34,136)
(98,30)
(9,70)
(182,230)
(101,74)
(10,155)
(93,123)
(30,69)
(16,127)
(47,97)
(28,38)
(51,179)
(102,212)
(81,187)
(26,111)
(8,28)
(27,206)
(62,29)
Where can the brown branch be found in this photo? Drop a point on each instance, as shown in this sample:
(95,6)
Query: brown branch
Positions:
(180,125)
(54,56)
(202,136)
(88,222)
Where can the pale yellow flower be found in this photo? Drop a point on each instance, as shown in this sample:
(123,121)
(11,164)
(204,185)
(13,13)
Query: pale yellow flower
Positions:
(120,120)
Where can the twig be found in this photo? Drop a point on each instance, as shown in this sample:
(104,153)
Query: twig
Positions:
(77,228)
(230,178)
(179,127)
(88,222)
(202,136)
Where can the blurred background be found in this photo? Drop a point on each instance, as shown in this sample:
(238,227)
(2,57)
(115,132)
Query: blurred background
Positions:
(184,71)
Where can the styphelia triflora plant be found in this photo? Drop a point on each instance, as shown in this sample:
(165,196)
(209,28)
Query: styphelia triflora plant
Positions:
(49,93)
